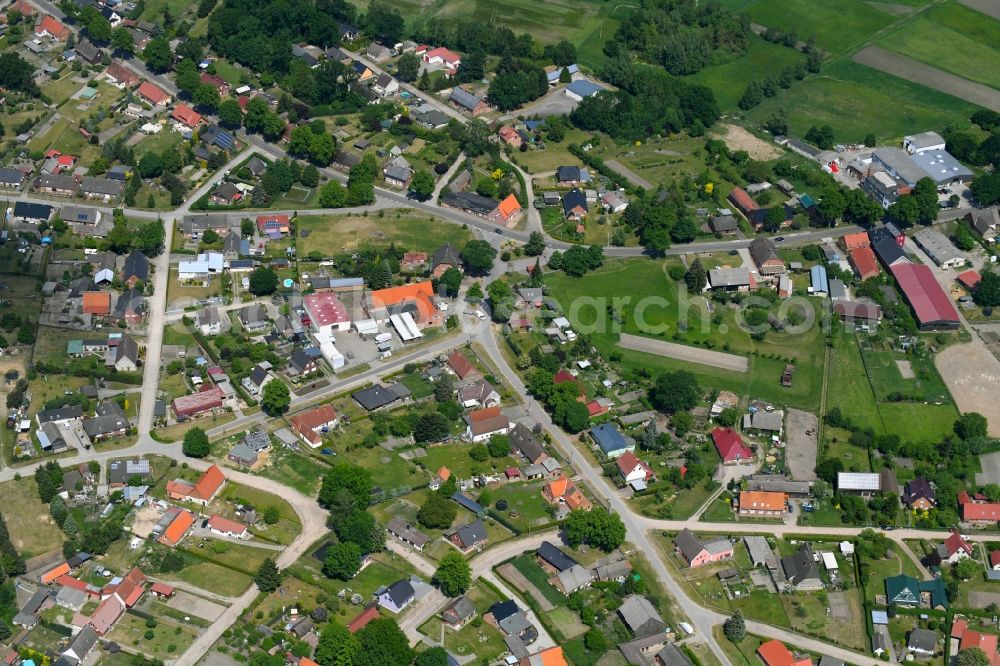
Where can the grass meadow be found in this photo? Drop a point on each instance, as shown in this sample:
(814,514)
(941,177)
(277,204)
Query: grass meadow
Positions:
(641,278)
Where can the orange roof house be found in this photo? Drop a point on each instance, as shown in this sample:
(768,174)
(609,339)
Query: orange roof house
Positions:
(563,490)
(152,93)
(97,303)
(309,424)
(53,28)
(864,262)
(969,279)
(774,653)
(856,241)
(23,8)
(552,656)
(162,590)
(225,526)
(505,210)
(52,574)
(131,588)
(107,614)
(177,528)
(416,298)
(202,491)
(185,115)
(462,366)
(761,502)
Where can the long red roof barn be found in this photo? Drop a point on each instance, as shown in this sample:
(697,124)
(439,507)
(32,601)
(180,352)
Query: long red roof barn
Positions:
(931,305)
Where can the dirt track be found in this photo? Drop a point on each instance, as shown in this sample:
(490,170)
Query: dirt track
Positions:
(517,578)
(988,7)
(932,77)
(972,374)
(630,176)
(684,352)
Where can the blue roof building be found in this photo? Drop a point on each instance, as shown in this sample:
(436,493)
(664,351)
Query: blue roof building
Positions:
(820,283)
(469,503)
(582,88)
(610,440)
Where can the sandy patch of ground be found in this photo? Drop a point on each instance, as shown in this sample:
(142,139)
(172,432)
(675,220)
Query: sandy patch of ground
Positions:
(684,352)
(739,138)
(192,605)
(932,77)
(972,374)
(800,454)
(905,369)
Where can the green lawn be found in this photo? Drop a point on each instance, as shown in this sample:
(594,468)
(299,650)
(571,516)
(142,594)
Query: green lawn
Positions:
(950,49)
(852,99)
(852,376)
(882,569)
(456,458)
(553,155)
(346,233)
(727,80)
(528,566)
(525,499)
(212,577)
(635,280)
(298,470)
(31,529)
(169,638)
(848,387)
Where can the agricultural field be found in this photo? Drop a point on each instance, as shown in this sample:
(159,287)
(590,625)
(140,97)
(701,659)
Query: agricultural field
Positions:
(853,98)
(838,26)
(587,24)
(954,38)
(347,233)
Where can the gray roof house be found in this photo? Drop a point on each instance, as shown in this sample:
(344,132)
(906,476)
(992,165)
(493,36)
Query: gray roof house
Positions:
(922,641)
(458,612)
(573,579)
(397,596)
(524,442)
(253,317)
(801,571)
(640,616)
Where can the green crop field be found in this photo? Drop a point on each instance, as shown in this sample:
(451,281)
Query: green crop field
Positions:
(950,49)
(970,23)
(853,100)
(728,80)
(838,25)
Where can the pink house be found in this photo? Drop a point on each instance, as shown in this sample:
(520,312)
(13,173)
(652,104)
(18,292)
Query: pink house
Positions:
(697,554)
